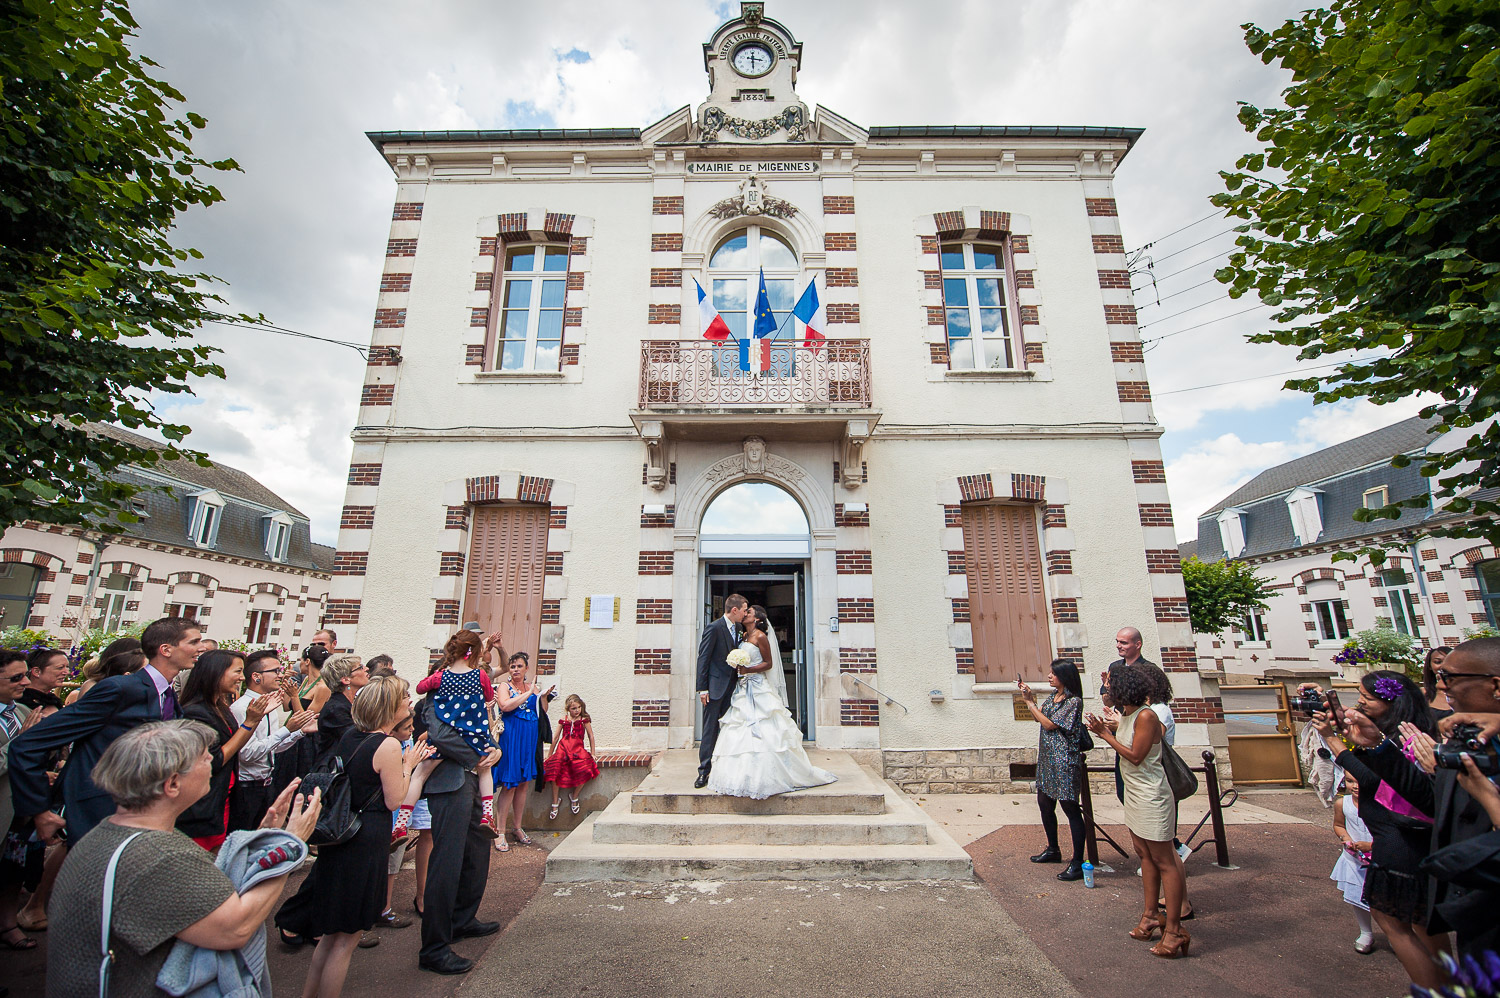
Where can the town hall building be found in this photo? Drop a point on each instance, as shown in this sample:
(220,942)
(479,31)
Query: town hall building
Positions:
(962,417)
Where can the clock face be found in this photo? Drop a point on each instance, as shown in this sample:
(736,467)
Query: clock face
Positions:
(753,59)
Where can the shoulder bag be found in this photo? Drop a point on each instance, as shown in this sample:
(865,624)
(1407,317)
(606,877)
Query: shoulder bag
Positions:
(107,955)
(1181,779)
(339,821)
(1081,736)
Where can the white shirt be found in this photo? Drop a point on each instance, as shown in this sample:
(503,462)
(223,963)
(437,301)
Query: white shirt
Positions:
(732,629)
(1164,711)
(270,736)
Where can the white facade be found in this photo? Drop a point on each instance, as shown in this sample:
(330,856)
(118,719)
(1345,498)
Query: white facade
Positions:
(881,453)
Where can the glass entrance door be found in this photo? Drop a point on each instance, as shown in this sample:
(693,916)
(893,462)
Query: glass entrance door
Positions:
(780,588)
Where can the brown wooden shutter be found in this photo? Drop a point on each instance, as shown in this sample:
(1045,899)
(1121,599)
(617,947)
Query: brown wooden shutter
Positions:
(506,570)
(1007,601)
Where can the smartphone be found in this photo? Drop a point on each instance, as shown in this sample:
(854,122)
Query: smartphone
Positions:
(1018,679)
(1335,708)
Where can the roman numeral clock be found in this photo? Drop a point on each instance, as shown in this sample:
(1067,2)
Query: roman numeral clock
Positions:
(752,65)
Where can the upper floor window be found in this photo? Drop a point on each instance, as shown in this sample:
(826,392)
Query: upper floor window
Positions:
(735,268)
(1254,627)
(975,307)
(276,534)
(1377,497)
(1489,589)
(1232,531)
(1333,622)
(115,593)
(1304,507)
(205,511)
(529,328)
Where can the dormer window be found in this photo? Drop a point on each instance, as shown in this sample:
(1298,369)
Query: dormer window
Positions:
(276,535)
(205,511)
(1377,497)
(1304,506)
(1232,531)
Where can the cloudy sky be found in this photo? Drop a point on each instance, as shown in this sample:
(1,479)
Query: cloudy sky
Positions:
(290,88)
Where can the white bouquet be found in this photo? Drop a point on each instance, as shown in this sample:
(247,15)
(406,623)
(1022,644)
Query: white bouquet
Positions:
(738,659)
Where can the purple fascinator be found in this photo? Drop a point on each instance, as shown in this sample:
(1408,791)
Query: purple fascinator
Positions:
(1387,688)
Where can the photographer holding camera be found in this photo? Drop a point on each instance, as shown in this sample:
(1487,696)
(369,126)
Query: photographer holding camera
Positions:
(1459,794)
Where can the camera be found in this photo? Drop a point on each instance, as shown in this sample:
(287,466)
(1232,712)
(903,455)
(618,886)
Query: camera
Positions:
(1308,701)
(1465,739)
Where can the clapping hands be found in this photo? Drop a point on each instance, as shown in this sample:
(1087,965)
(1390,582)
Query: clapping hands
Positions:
(298,815)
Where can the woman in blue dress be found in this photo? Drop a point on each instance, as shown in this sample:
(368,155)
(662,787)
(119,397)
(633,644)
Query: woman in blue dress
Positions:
(521,703)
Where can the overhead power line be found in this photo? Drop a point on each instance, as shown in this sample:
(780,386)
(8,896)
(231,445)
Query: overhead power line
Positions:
(361,348)
(1210,322)
(1175,231)
(1262,377)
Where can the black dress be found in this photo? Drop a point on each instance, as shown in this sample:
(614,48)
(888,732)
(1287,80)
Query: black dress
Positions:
(205,819)
(1398,843)
(346,888)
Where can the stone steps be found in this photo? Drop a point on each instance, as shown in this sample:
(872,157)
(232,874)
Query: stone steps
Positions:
(858,828)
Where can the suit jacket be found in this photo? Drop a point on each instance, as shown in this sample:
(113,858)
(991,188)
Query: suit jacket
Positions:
(334,719)
(112,707)
(458,757)
(7,812)
(715,674)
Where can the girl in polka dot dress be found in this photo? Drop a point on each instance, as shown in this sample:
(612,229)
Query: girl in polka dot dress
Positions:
(461,689)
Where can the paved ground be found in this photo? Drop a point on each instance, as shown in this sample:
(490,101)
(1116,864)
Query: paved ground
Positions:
(1275,927)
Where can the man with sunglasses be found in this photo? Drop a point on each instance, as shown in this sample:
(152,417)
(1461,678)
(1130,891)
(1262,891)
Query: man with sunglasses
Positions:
(1470,677)
(253,794)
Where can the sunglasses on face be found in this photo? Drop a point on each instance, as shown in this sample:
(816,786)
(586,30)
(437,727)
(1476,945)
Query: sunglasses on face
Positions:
(1445,675)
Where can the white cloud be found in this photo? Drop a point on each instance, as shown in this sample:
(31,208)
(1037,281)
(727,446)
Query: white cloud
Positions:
(754,508)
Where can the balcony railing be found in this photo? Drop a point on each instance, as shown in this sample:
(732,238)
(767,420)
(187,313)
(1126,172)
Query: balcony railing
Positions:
(808,374)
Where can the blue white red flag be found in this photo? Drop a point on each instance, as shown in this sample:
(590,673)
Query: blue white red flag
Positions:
(809,312)
(710,322)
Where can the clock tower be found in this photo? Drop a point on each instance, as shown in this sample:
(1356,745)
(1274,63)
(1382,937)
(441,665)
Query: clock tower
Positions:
(752,65)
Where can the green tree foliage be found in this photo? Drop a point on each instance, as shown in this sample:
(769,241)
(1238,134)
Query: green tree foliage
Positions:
(1372,212)
(1220,593)
(95,311)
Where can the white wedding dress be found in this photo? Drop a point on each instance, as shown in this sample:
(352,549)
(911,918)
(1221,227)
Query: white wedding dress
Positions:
(759,750)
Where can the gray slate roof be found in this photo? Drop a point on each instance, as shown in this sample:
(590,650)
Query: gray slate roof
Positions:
(220,477)
(1379,445)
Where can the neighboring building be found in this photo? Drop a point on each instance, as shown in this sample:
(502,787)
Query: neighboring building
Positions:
(543,426)
(1290,520)
(212,544)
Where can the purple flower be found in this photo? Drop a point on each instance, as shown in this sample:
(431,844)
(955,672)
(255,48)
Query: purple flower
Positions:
(1388,688)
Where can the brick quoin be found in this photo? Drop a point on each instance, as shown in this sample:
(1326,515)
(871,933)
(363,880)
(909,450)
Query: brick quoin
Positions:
(666,206)
(341,611)
(1440,597)
(546,662)
(932,280)
(407,211)
(575,281)
(1065,610)
(1100,206)
(658,315)
(551,611)
(1180,659)
(1156,514)
(666,277)
(1114,279)
(960,611)
(928,244)
(557,517)
(357,518)
(384,356)
(857,660)
(1127,353)
(1059,563)
(1146,472)
(1446,619)
(445,611)
(350,562)
(377,395)
(666,242)
(838,204)
(1170,609)
(836,241)
(479,317)
(488,245)
(401,247)
(650,713)
(1020,244)
(935,315)
(1119,315)
(1055,516)
(553,565)
(1133,391)
(939,352)
(953,515)
(1030,316)
(395,282)
(852,562)
(653,611)
(846,519)
(1109,244)
(451,563)
(956,563)
(841,312)
(473,354)
(572,317)
(456,518)
(1033,353)
(578,246)
(667,519)
(1429,554)
(484,281)
(842,277)
(1025,278)
(1198,710)
(963,660)
(859,713)
(654,563)
(857,610)
(390,318)
(653,661)
(1166,561)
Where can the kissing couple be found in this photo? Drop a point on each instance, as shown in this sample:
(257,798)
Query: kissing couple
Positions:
(751,746)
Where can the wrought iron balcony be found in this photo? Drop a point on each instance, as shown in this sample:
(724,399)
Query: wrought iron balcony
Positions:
(802,375)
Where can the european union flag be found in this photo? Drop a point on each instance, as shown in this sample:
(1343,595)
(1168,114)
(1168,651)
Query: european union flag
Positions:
(765,322)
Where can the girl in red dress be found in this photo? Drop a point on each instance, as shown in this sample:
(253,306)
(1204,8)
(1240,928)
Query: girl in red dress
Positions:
(571,765)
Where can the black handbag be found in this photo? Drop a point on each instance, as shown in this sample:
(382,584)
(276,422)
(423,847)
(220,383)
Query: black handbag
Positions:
(1181,779)
(1082,735)
(339,821)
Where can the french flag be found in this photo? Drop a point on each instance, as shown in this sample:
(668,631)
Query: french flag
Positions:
(809,311)
(709,320)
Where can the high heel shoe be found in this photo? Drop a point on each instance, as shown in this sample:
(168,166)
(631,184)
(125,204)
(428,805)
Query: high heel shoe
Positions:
(1172,945)
(1145,929)
(1047,855)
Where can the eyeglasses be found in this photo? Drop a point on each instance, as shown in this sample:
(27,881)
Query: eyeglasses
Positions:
(279,668)
(1446,676)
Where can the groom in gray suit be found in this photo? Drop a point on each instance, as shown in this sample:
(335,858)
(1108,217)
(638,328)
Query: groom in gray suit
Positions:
(716,677)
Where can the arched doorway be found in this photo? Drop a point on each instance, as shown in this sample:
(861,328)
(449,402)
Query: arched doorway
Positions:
(755,540)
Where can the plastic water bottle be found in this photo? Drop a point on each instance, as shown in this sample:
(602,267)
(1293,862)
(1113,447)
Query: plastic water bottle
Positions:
(1088,874)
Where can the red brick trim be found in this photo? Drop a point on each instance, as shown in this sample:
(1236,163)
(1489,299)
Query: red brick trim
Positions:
(938,352)
(1198,710)
(401,247)
(836,241)
(1054,516)
(384,356)
(395,282)
(378,395)
(1166,561)
(1179,659)
(1065,610)
(1145,472)
(653,661)
(844,519)
(960,611)
(533,489)
(1114,279)
(341,611)
(973,488)
(570,355)
(1108,244)
(1119,315)
(1059,563)
(841,312)
(861,660)
(1127,353)
(650,713)
(852,562)
(1170,609)
(1101,207)
(445,611)
(407,211)
(1133,391)
(841,277)
(654,563)
(451,563)
(479,317)
(666,205)
(666,277)
(659,315)
(1028,488)
(859,713)
(667,519)
(390,318)
(653,611)
(473,354)
(350,562)
(838,204)
(856,610)
(963,660)
(1033,353)
(1156,514)
(666,242)
(456,518)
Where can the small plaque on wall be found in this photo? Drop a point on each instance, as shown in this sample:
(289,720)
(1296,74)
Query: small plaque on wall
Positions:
(1018,704)
(601,611)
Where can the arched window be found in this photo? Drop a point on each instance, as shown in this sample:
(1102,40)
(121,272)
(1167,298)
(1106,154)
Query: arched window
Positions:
(735,268)
(530,325)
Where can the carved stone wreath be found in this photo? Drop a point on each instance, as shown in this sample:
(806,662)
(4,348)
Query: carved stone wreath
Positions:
(793,120)
(769,206)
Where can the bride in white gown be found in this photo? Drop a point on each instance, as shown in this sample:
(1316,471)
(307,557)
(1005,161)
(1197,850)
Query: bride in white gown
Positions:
(759,751)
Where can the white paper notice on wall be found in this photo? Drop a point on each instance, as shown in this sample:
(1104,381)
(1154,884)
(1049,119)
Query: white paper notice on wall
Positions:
(602,611)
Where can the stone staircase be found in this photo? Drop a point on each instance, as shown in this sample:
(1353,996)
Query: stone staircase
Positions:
(859,828)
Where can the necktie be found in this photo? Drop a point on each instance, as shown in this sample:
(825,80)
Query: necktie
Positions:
(8,720)
(168,704)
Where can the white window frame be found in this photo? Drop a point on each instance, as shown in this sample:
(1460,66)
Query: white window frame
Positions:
(1254,629)
(264,618)
(534,308)
(112,613)
(1384,494)
(1489,598)
(1305,508)
(1337,619)
(775,276)
(278,536)
(1400,603)
(207,514)
(1009,356)
(1231,522)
